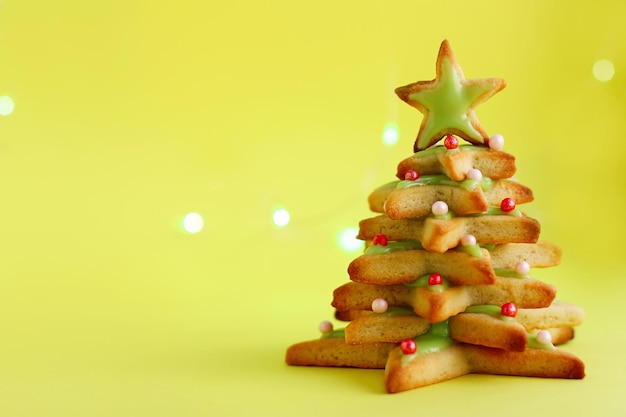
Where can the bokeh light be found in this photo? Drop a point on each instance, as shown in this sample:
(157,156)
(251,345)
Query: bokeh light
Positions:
(193,223)
(347,239)
(281,217)
(603,70)
(390,134)
(6,105)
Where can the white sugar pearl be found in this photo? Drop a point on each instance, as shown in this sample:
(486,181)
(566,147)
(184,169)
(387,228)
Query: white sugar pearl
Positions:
(439,208)
(496,142)
(468,240)
(474,174)
(379,305)
(522,268)
(544,337)
(326,326)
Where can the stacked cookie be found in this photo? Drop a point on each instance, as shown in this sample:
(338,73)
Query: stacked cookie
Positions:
(444,287)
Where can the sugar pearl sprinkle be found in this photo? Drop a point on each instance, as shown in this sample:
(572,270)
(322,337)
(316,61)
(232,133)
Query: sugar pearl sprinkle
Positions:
(439,208)
(411,175)
(522,268)
(326,326)
(496,142)
(468,240)
(379,305)
(474,174)
(544,337)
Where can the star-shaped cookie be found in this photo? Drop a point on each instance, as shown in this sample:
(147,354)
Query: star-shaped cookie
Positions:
(448,102)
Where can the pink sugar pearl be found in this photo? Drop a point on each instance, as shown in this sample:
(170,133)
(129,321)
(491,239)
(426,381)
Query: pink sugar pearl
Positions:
(522,268)
(379,305)
(326,326)
(544,337)
(474,174)
(496,142)
(468,240)
(439,208)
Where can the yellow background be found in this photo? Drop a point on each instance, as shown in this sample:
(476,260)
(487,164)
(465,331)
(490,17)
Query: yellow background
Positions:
(130,114)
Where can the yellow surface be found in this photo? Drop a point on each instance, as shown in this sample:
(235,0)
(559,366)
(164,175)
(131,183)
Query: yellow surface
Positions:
(130,114)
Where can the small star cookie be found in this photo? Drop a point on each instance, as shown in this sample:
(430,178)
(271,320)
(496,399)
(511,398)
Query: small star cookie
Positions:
(448,102)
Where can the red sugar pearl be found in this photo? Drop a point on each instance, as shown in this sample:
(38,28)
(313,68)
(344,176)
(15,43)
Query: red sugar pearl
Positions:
(435,279)
(509,310)
(411,175)
(380,239)
(507,204)
(451,142)
(408,346)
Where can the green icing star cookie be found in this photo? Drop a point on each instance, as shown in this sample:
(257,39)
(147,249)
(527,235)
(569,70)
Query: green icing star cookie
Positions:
(448,102)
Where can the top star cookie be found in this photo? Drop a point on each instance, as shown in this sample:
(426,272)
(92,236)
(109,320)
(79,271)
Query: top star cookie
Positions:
(448,102)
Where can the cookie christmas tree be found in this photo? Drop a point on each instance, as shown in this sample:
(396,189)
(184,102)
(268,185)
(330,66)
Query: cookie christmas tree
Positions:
(444,287)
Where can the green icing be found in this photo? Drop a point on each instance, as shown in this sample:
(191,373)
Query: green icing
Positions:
(510,273)
(423,282)
(474,250)
(439,179)
(394,311)
(436,339)
(449,104)
(491,211)
(334,334)
(441,149)
(449,215)
(393,246)
(489,309)
(496,211)
(534,344)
